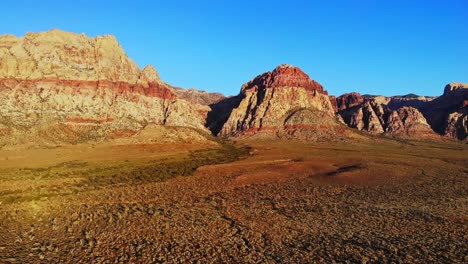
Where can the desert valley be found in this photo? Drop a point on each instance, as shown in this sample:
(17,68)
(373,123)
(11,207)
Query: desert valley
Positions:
(104,162)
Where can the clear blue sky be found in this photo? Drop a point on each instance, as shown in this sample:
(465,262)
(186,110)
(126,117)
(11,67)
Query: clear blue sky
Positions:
(376,47)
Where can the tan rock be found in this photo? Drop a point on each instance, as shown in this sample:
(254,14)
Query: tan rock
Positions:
(457,126)
(265,105)
(66,56)
(408,122)
(61,87)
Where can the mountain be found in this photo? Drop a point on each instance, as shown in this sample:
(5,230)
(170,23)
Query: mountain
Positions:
(421,116)
(60,87)
(197,96)
(283,103)
(448,113)
(372,114)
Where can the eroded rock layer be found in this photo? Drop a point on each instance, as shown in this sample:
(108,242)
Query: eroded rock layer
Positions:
(372,114)
(61,87)
(446,114)
(274,103)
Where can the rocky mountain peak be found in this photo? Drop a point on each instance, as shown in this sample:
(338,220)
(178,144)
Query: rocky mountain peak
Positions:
(268,101)
(56,54)
(281,77)
(349,100)
(149,74)
(455,86)
(62,87)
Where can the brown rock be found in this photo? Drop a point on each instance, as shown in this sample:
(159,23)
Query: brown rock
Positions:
(197,96)
(363,117)
(446,113)
(272,98)
(349,100)
(283,76)
(371,116)
(334,103)
(457,126)
(455,87)
(408,122)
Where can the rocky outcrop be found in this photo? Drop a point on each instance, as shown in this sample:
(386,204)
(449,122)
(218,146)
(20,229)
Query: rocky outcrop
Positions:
(455,87)
(408,122)
(334,103)
(197,96)
(61,87)
(398,101)
(220,113)
(349,100)
(457,125)
(313,125)
(283,76)
(366,116)
(274,103)
(56,54)
(447,114)
(372,115)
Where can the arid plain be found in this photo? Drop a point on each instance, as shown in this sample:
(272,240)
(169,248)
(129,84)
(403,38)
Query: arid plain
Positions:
(244,201)
(102,161)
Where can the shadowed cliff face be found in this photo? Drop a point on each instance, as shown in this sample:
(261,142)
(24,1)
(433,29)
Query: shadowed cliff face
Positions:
(63,87)
(448,113)
(374,116)
(220,113)
(409,116)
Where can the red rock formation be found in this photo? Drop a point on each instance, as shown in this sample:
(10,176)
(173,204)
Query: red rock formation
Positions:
(455,87)
(334,102)
(408,122)
(371,116)
(267,104)
(281,77)
(197,96)
(365,117)
(448,113)
(349,100)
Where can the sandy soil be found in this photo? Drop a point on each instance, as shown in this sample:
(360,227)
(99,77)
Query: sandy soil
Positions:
(284,202)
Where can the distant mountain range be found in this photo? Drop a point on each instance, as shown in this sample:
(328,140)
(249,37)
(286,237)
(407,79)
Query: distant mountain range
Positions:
(59,87)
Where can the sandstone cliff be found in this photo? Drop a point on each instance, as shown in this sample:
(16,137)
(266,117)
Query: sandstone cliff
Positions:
(197,96)
(282,103)
(448,113)
(60,87)
(408,122)
(372,114)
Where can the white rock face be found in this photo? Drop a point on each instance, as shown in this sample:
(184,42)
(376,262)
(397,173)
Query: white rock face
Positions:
(64,87)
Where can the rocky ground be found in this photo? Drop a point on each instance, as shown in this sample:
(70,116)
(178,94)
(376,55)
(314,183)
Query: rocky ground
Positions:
(280,202)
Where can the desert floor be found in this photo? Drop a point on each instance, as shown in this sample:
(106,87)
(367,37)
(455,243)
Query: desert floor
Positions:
(243,202)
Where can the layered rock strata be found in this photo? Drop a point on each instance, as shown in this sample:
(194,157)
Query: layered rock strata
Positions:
(282,103)
(60,87)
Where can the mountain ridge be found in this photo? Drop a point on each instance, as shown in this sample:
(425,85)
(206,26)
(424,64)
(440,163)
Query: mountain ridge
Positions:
(68,87)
